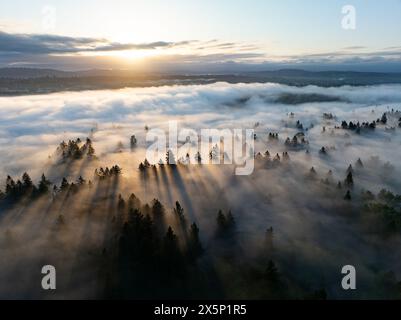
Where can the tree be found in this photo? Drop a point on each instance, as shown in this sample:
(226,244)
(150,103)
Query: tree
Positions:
(27,181)
(91,151)
(81,181)
(133,201)
(133,141)
(157,208)
(44,185)
(269,238)
(349,180)
(142,167)
(221,220)
(272,276)
(64,185)
(171,253)
(384,118)
(230,219)
(312,172)
(170,159)
(77,153)
(121,203)
(198,158)
(348,196)
(179,212)
(10,186)
(195,248)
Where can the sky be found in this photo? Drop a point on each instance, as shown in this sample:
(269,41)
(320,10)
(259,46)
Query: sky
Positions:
(201,35)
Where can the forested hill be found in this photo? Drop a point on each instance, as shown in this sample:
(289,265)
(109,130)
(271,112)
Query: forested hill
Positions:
(24,81)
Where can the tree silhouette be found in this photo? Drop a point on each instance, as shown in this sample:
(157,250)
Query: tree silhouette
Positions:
(272,276)
(349,180)
(348,196)
(133,202)
(64,185)
(27,181)
(157,208)
(221,220)
(170,159)
(179,212)
(44,185)
(133,141)
(121,203)
(198,158)
(269,238)
(195,248)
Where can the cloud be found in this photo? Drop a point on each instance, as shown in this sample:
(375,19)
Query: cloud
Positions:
(55,44)
(355,48)
(74,53)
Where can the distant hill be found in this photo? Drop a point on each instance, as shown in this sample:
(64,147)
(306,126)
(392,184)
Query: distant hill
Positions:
(34,73)
(23,81)
(327,78)
(29,73)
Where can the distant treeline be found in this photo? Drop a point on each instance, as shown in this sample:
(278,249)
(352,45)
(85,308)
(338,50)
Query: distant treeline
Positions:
(17,81)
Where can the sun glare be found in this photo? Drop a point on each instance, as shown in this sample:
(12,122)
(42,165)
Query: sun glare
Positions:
(135,54)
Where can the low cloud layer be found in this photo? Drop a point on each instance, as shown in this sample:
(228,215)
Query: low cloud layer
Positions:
(316,231)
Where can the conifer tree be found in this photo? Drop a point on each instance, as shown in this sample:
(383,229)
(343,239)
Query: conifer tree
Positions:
(44,185)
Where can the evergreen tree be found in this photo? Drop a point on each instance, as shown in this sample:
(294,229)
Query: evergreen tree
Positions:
(198,158)
(133,141)
(64,185)
(221,220)
(91,151)
(384,118)
(81,181)
(44,185)
(27,181)
(121,203)
(269,238)
(157,208)
(133,202)
(195,248)
(171,254)
(179,212)
(349,180)
(142,167)
(272,276)
(10,186)
(230,219)
(170,159)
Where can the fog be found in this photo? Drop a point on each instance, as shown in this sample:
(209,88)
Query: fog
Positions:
(316,231)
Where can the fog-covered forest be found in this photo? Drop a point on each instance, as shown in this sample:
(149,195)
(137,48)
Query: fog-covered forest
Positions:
(78,193)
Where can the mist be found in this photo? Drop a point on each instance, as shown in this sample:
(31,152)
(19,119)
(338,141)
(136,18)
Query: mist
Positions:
(320,221)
